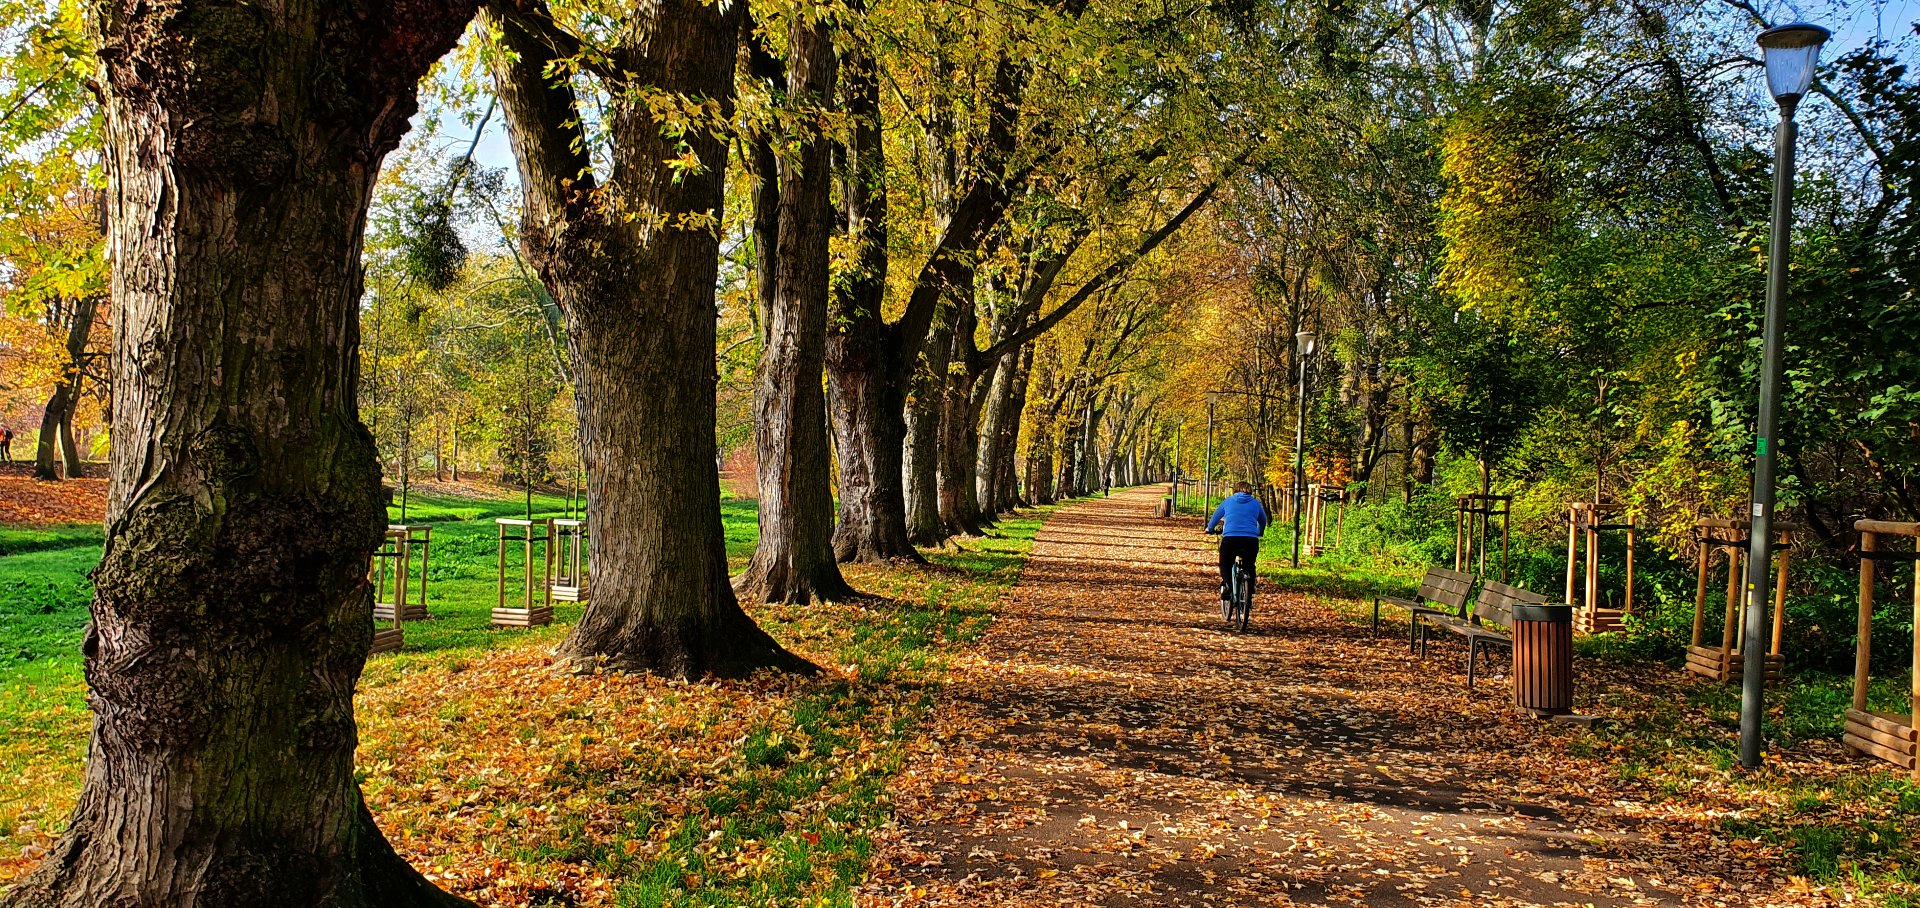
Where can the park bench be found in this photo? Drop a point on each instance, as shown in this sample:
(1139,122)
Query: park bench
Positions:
(1443,591)
(1487,627)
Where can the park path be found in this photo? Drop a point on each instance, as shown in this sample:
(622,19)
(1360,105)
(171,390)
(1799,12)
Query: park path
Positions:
(1108,742)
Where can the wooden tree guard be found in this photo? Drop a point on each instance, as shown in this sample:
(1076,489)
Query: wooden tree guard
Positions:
(1729,537)
(566,574)
(388,574)
(1586,520)
(1473,521)
(415,539)
(1315,529)
(528,533)
(1889,736)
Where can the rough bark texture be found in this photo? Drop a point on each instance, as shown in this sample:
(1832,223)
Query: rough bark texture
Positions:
(922,474)
(872,362)
(633,264)
(867,429)
(231,613)
(794,558)
(959,432)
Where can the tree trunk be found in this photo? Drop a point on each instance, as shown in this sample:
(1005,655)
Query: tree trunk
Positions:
(922,475)
(56,422)
(638,295)
(794,559)
(996,414)
(868,430)
(231,613)
(1010,496)
(959,501)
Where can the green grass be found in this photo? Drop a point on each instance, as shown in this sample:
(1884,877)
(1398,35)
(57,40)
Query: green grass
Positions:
(782,790)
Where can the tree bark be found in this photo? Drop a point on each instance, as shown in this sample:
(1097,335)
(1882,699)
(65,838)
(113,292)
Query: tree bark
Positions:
(868,431)
(56,421)
(959,501)
(632,265)
(924,405)
(999,420)
(231,614)
(794,558)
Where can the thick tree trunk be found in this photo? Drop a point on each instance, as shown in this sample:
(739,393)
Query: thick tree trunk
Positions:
(922,474)
(959,432)
(996,413)
(1009,496)
(638,294)
(794,559)
(231,613)
(868,430)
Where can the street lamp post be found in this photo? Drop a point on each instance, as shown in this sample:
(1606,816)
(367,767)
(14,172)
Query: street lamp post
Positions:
(1791,52)
(1303,345)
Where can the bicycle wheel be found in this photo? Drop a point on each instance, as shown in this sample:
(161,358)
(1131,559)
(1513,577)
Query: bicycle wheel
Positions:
(1242,599)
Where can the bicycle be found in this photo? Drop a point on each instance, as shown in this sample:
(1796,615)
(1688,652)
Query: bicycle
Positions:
(1239,607)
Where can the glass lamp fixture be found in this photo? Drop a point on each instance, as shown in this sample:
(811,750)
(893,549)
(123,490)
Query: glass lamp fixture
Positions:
(1305,342)
(1791,53)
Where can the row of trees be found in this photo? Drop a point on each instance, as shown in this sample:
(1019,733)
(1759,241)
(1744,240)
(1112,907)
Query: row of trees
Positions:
(1532,240)
(918,196)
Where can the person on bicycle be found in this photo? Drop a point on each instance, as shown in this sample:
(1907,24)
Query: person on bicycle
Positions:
(1241,521)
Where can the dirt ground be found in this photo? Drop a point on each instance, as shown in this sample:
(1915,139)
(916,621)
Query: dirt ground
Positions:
(25,501)
(1109,742)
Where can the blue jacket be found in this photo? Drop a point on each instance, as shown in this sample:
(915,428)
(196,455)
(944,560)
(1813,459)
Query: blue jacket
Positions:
(1239,515)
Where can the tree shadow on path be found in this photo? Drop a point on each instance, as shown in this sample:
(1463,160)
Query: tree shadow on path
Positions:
(1110,742)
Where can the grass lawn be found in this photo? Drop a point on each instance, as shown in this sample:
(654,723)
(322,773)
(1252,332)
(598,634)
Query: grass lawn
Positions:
(1840,821)
(515,785)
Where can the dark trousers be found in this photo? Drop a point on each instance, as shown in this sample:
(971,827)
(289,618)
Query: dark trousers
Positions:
(1246,549)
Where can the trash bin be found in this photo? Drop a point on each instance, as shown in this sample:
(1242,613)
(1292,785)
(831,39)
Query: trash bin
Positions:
(1166,506)
(1543,659)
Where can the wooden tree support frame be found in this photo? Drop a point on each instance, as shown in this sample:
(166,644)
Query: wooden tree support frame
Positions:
(1319,497)
(1472,523)
(388,574)
(1889,736)
(415,540)
(566,570)
(1729,538)
(534,606)
(1586,521)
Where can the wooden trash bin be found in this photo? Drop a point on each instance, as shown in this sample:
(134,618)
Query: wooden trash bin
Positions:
(1543,658)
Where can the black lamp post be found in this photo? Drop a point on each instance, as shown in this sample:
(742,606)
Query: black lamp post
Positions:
(1304,345)
(1791,53)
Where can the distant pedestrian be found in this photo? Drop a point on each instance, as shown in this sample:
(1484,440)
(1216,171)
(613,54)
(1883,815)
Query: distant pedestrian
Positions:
(6,445)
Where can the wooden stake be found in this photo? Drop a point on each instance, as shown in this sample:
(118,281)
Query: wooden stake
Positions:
(1863,652)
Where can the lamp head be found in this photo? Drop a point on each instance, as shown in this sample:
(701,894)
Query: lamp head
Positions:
(1306,343)
(1791,53)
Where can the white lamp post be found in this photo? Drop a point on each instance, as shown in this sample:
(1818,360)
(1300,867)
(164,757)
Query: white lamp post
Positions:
(1791,53)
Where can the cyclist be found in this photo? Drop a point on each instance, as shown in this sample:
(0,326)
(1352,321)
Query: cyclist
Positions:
(1241,521)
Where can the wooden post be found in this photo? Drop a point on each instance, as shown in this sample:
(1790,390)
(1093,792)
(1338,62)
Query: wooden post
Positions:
(1506,540)
(1459,515)
(1913,696)
(1593,558)
(500,585)
(1863,652)
(1573,550)
(1626,606)
(1731,630)
(1780,600)
(1700,595)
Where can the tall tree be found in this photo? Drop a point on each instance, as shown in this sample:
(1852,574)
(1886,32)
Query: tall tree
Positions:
(794,559)
(231,614)
(631,258)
